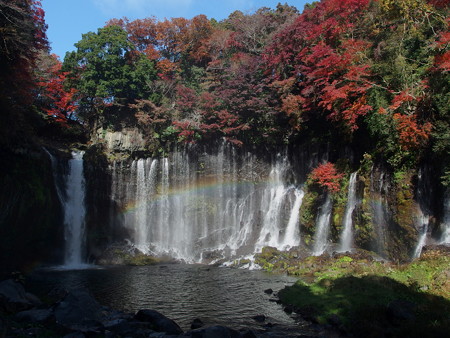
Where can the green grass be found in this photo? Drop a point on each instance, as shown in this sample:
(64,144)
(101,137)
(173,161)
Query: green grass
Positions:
(359,292)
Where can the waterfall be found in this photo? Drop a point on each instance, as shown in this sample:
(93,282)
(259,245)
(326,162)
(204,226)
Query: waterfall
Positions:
(145,191)
(59,187)
(424,220)
(199,205)
(445,238)
(423,193)
(380,213)
(272,202)
(164,209)
(292,236)
(347,233)
(74,212)
(71,194)
(322,227)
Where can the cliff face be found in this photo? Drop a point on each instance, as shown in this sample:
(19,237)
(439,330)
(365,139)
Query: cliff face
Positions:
(31,221)
(126,141)
(389,216)
(205,186)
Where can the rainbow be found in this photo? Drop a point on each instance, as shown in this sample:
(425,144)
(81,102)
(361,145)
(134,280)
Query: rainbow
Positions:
(203,185)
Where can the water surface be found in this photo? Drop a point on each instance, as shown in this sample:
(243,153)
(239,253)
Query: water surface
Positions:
(216,295)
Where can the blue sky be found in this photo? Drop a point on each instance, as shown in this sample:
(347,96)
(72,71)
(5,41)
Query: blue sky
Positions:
(68,19)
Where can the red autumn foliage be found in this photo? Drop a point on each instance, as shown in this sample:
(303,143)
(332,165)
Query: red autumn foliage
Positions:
(187,131)
(321,51)
(400,99)
(186,98)
(41,42)
(60,102)
(439,3)
(442,59)
(412,135)
(327,176)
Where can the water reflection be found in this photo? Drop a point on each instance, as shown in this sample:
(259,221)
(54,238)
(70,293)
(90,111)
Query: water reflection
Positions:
(182,292)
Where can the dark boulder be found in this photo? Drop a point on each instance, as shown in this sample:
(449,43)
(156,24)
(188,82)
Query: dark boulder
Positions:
(57,294)
(259,318)
(13,297)
(196,324)
(158,321)
(75,335)
(79,311)
(246,333)
(288,309)
(129,328)
(216,331)
(35,316)
(268,291)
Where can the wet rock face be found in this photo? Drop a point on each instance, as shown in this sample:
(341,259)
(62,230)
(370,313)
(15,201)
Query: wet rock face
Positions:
(30,212)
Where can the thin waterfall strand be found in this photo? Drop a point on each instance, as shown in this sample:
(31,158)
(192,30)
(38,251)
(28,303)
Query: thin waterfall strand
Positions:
(424,220)
(347,233)
(292,236)
(323,227)
(445,237)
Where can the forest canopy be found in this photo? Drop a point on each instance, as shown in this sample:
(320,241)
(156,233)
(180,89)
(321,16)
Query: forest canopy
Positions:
(371,73)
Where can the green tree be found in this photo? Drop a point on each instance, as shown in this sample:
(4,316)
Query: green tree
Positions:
(107,70)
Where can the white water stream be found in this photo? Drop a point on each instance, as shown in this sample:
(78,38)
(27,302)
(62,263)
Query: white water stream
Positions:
(445,237)
(74,213)
(323,227)
(347,233)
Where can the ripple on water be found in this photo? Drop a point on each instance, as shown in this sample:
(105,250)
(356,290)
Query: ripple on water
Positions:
(182,292)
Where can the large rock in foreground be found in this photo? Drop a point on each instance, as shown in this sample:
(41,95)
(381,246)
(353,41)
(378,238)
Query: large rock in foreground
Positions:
(79,311)
(14,298)
(159,322)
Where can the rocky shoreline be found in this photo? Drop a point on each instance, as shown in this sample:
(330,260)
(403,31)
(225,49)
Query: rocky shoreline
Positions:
(77,314)
(424,284)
